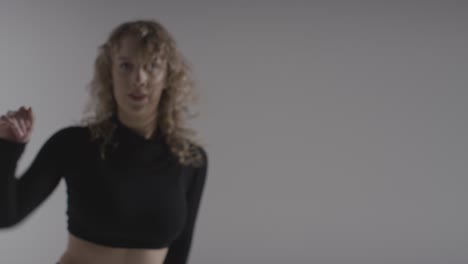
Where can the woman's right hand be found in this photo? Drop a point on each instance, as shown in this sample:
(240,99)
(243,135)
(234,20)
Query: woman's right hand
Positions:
(17,125)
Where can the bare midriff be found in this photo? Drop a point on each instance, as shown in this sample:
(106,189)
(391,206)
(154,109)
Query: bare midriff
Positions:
(80,251)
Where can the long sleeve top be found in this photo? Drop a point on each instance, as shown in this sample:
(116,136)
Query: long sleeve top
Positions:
(138,197)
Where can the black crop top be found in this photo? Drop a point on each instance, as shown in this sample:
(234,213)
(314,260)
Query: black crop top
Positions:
(138,197)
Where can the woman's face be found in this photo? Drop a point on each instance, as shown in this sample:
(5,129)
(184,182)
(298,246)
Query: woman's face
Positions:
(137,82)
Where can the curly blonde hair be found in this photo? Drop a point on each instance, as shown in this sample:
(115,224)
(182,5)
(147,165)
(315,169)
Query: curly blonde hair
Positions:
(173,110)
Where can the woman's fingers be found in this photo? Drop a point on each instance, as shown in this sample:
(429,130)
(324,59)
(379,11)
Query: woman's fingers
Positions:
(27,118)
(22,114)
(13,126)
(20,122)
(18,126)
(31,116)
(16,123)
(14,117)
(22,125)
(19,119)
(3,120)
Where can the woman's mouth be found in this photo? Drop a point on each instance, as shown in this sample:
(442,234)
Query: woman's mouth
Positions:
(138,97)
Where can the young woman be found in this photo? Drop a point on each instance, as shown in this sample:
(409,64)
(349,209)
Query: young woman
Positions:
(134,174)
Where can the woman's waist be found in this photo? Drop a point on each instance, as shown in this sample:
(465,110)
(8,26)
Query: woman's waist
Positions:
(81,251)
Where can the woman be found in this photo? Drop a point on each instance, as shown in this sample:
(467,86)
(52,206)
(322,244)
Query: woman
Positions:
(134,176)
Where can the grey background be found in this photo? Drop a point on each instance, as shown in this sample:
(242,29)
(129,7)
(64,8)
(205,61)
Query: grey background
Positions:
(336,129)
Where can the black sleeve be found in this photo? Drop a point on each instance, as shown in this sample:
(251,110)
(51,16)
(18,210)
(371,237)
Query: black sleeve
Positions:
(19,196)
(179,250)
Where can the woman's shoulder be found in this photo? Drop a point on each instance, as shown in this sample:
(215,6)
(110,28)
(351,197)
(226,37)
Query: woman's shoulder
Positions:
(74,133)
(71,130)
(202,155)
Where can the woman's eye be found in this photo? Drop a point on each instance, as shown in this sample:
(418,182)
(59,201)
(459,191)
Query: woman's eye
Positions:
(154,65)
(125,66)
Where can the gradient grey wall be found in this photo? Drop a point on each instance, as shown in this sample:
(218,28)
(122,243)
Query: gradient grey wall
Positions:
(336,129)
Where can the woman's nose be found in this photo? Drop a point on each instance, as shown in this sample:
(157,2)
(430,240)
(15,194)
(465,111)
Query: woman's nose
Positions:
(140,77)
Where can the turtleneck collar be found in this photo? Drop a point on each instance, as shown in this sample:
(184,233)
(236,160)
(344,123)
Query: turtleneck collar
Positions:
(128,134)
(134,146)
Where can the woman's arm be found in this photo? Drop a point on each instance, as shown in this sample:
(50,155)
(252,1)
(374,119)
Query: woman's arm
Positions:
(20,196)
(180,249)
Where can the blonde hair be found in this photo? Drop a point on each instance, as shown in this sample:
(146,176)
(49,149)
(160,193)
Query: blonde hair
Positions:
(173,110)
